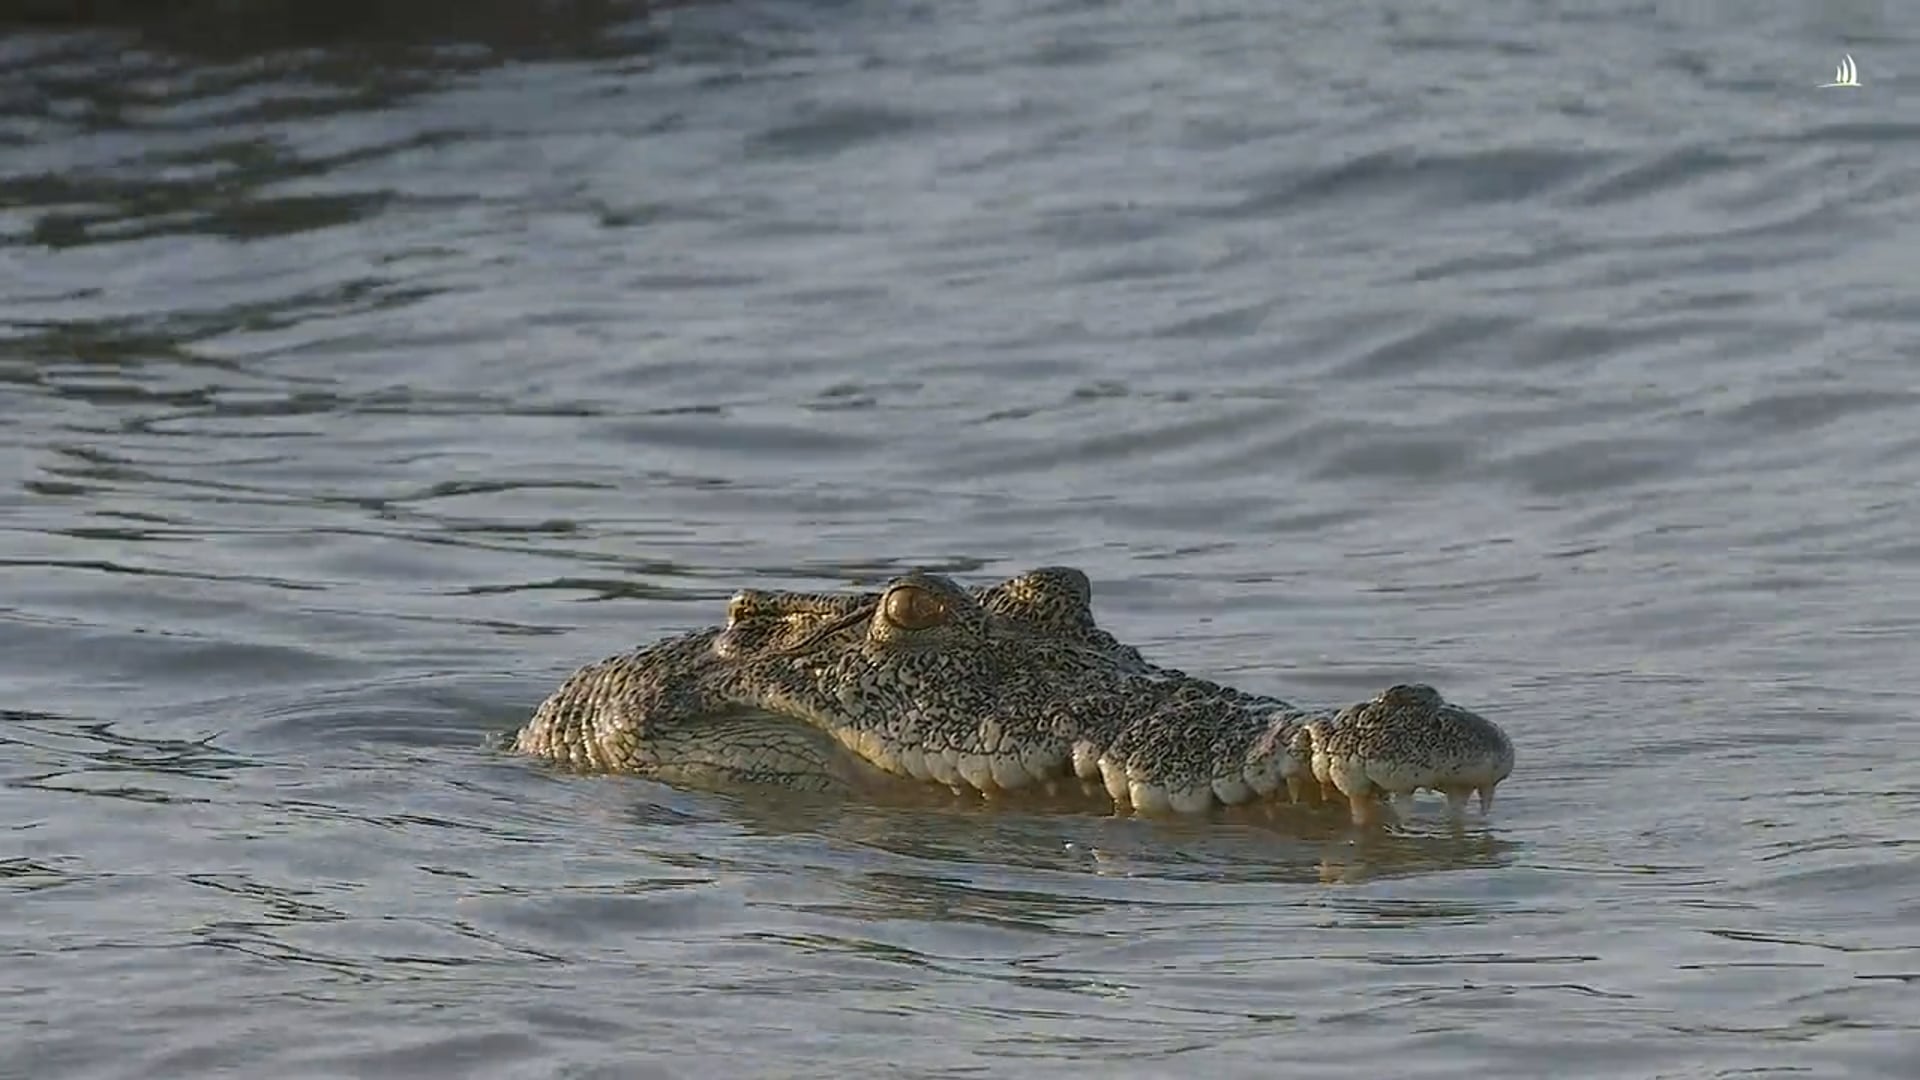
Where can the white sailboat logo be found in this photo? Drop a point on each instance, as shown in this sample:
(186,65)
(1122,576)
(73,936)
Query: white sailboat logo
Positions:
(1847,74)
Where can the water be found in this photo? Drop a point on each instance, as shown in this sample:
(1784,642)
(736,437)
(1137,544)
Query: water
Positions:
(358,381)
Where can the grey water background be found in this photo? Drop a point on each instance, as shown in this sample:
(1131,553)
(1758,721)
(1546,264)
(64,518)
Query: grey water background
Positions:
(359,380)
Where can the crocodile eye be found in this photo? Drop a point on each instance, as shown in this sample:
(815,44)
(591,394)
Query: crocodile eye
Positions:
(911,607)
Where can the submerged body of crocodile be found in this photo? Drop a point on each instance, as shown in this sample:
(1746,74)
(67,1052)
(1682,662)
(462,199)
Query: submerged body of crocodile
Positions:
(998,688)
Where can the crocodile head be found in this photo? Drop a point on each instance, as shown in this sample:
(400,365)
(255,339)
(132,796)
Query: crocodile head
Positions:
(991,689)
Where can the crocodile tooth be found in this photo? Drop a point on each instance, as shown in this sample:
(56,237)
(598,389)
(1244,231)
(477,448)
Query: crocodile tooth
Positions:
(1007,771)
(975,769)
(1041,762)
(1086,760)
(1148,798)
(1197,799)
(941,766)
(875,749)
(1232,790)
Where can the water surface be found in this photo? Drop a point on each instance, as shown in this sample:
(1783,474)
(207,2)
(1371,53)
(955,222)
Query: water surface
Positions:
(357,381)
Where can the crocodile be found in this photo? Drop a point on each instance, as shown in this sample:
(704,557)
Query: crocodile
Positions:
(993,689)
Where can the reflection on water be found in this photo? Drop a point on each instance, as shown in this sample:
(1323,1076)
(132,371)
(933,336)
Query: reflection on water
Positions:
(220,30)
(365,367)
(95,758)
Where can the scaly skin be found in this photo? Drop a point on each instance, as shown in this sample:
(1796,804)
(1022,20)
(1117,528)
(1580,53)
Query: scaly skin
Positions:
(997,688)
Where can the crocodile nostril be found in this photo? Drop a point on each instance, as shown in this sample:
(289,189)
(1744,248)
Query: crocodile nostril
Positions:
(743,605)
